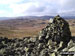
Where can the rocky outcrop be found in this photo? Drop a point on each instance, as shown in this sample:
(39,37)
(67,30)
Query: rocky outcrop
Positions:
(56,31)
(53,39)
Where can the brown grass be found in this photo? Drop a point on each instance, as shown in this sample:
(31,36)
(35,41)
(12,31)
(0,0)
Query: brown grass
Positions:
(72,28)
(25,30)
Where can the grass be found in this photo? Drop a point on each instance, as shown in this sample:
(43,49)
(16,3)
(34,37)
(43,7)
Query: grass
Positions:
(72,28)
(26,29)
(19,33)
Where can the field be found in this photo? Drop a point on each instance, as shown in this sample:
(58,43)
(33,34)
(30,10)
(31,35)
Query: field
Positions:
(72,26)
(19,28)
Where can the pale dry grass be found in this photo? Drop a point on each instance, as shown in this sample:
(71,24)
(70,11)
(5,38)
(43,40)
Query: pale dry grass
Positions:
(72,28)
(27,30)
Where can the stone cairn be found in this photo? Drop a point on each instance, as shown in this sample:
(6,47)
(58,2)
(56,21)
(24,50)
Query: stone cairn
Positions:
(53,39)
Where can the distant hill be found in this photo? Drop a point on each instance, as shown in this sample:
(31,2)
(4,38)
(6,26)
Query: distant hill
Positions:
(27,25)
(35,17)
(68,17)
(26,17)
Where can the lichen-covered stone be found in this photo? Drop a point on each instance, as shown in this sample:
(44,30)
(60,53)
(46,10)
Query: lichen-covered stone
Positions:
(51,40)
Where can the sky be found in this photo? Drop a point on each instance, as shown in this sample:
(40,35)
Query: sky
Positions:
(14,8)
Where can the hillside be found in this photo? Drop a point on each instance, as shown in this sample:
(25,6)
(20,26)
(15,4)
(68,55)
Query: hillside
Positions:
(26,27)
(53,40)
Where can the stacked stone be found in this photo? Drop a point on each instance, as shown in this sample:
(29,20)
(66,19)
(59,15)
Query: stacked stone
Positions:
(16,47)
(56,31)
(55,37)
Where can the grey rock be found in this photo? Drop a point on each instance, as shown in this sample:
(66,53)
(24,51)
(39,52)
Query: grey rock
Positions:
(52,39)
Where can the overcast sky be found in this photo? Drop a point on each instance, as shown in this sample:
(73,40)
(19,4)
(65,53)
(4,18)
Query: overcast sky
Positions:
(12,8)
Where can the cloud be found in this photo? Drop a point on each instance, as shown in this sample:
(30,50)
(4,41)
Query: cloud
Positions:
(36,7)
(67,7)
(10,1)
(24,8)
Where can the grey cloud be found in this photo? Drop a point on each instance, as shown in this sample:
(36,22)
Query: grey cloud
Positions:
(36,9)
(52,7)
